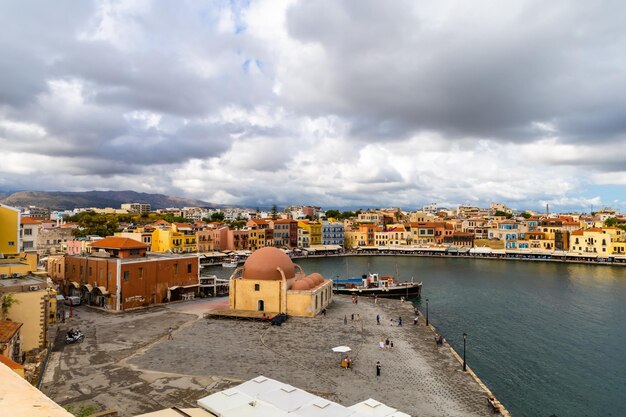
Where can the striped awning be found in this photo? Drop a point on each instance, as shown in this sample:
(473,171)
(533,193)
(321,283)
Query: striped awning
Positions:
(75,284)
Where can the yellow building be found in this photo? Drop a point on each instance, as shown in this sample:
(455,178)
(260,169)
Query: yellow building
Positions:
(179,238)
(9,230)
(12,261)
(315,231)
(31,309)
(270,282)
(594,241)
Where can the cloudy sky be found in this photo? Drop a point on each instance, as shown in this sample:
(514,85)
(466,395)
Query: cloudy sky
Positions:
(336,103)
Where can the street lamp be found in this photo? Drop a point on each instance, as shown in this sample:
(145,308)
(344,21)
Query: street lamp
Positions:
(464,340)
(427,312)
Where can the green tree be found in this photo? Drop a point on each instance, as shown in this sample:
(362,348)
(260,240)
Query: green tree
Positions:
(332,214)
(526,215)
(503,214)
(274,212)
(610,222)
(7,302)
(217,217)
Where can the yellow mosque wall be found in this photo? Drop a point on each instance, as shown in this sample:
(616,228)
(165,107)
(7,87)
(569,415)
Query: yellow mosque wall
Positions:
(243,295)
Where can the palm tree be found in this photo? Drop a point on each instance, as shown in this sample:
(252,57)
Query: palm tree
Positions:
(7,301)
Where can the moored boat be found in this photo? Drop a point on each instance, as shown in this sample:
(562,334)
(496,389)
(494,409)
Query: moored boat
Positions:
(229,264)
(373,284)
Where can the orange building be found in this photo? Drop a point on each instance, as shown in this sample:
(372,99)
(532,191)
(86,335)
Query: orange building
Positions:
(119,274)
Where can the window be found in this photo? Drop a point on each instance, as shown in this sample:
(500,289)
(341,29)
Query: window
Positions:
(73,268)
(140,272)
(126,275)
(189,268)
(81,270)
(90,271)
(11,243)
(134,251)
(28,232)
(176,268)
(257,287)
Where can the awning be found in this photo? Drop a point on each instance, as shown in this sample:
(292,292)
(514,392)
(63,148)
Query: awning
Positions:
(173,288)
(89,287)
(191,286)
(75,284)
(103,290)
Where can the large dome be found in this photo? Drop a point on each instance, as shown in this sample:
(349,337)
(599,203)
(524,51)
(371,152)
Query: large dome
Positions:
(262,264)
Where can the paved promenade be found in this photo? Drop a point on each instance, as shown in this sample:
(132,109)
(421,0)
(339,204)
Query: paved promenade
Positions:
(127,363)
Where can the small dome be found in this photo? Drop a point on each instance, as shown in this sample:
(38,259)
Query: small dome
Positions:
(301,285)
(263,264)
(316,277)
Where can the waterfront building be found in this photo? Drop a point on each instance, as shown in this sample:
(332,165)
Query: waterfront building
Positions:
(270,282)
(120,274)
(285,232)
(599,241)
(463,239)
(506,231)
(314,228)
(332,233)
(303,238)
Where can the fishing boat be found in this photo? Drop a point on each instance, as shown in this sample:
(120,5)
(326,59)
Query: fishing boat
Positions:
(373,284)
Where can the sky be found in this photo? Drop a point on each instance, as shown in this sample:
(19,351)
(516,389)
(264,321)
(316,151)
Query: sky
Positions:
(334,103)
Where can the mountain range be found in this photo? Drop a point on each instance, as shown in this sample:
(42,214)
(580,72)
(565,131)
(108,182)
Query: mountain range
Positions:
(63,200)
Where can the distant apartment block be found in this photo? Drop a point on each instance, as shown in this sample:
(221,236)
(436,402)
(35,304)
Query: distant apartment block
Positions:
(136,207)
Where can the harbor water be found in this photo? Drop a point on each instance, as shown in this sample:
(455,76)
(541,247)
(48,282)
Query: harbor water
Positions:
(546,338)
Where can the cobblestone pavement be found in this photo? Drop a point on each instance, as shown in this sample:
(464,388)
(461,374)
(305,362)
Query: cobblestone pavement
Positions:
(126,361)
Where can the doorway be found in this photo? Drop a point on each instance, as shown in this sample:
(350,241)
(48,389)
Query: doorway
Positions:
(261,305)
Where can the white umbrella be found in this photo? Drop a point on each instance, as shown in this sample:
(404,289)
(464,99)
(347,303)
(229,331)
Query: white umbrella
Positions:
(341,349)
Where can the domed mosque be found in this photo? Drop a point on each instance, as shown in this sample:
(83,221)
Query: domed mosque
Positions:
(270,282)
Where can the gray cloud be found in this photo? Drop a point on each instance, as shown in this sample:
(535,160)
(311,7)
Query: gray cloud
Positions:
(327,102)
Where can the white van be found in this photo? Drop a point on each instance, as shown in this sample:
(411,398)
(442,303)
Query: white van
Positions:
(72,300)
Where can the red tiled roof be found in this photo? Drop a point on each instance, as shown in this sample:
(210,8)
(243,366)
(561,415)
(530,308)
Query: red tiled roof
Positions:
(8,330)
(30,220)
(118,243)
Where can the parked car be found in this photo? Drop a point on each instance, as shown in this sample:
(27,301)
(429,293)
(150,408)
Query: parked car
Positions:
(72,300)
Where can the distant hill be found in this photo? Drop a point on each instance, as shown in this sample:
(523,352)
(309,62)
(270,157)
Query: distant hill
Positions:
(61,200)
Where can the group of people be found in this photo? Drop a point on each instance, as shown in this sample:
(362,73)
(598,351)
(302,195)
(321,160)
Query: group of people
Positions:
(355,299)
(439,339)
(385,344)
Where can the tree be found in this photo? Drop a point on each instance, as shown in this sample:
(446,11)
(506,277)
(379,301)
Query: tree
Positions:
(274,212)
(7,302)
(526,215)
(334,214)
(610,222)
(217,217)
(503,214)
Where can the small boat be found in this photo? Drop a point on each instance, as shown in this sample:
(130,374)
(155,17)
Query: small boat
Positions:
(229,264)
(373,284)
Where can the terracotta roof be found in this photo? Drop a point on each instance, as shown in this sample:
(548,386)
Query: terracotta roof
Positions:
(577,232)
(118,243)
(8,330)
(161,222)
(11,364)
(30,220)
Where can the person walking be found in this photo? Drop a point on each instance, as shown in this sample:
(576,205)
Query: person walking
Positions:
(169,333)
(399,321)
(375,298)
(387,343)
(378,368)
(345,319)
(377,318)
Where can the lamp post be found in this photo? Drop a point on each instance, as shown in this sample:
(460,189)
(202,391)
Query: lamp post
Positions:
(427,312)
(464,340)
